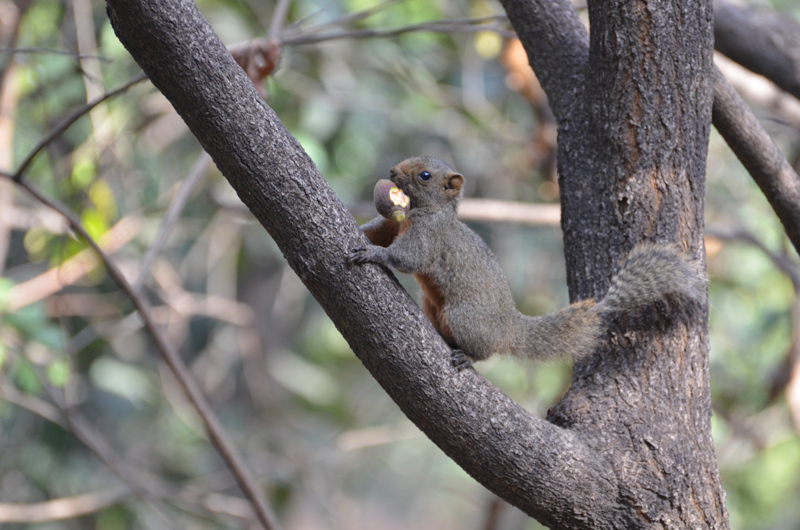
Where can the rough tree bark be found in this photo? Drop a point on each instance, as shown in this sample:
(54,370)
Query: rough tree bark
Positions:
(630,445)
(632,166)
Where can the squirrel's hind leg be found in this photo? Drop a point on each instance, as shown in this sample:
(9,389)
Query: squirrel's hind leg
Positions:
(460,359)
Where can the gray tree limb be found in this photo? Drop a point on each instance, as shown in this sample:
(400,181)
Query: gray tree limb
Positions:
(761,40)
(760,156)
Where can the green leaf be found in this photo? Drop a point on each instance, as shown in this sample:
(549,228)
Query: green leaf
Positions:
(83,172)
(34,325)
(25,377)
(58,373)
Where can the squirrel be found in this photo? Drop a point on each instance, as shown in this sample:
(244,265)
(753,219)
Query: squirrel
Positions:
(466,295)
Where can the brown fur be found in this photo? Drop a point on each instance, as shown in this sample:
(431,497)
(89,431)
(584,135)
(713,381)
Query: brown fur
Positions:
(432,302)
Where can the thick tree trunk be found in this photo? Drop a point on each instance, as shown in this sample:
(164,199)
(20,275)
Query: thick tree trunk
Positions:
(629,447)
(632,166)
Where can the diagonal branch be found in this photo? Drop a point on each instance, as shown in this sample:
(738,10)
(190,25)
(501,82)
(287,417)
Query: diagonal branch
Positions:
(557,45)
(174,210)
(758,153)
(68,121)
(545,470)
(214,428)
(73,421)
(760,39)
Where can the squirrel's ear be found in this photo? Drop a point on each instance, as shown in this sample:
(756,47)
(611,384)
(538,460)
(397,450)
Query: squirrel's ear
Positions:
(453,185)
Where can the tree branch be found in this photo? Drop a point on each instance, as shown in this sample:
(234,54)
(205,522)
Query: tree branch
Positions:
(174,210)
(529,462)
(761,40)
(214,428)
(69,120)
(758,153)
(761,93)
(64,508)
(557,45)
(469,25)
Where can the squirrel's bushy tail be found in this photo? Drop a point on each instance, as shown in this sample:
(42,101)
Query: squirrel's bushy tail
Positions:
(573,331)
(654,272)
(651,272)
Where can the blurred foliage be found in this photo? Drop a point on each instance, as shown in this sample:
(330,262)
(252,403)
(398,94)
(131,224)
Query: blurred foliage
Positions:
(332,448)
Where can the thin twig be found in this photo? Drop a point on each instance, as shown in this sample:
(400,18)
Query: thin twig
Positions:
(74,422)
(344,20)
(467,25)
(46,410)
(69,120)
(170,218)
(50,51)
(71,270)
(278,18)
(782,262)
(214,428)
(303,20)
(64,508)
(793,383)
(95,501)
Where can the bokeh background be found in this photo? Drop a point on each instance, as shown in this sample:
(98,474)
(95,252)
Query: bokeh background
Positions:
(85,402)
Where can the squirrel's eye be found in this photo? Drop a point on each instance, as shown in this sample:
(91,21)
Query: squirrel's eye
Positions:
(426,176)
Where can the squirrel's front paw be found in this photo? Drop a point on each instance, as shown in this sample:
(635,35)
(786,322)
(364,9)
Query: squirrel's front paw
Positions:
(460,360)
(368,254)
(358,256)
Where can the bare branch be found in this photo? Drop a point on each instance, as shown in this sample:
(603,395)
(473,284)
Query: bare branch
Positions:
(760,39)
(11,15)
(10,21)
(73,269)
(557,45)
(278,18)
(30,403)
(216,432)
(466,25)
(197,171)
(64,508)
(758,153)
(493,211)
(93,502)
(343,20)
(69,120)
(781,261)
(793,384)
(760,92)
(49,51)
